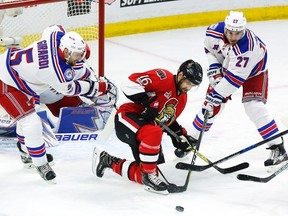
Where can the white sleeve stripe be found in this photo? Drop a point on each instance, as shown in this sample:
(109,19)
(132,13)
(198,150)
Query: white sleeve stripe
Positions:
(127,124)
(132,88)
(149,158)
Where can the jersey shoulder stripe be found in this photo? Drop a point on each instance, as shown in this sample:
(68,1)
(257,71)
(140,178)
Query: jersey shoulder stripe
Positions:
(62,70)
(247,43)
(216,30)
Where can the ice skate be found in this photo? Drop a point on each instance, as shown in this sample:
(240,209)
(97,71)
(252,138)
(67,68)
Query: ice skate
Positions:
(153,184)
(101,161)
(277,156)
(27,160)
(46,173)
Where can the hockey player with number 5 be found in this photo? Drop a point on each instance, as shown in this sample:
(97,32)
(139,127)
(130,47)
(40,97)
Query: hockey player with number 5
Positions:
(237,57)
(29,75)
(155,94)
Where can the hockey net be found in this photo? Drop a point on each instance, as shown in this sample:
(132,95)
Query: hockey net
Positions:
(22,22)
(21,26)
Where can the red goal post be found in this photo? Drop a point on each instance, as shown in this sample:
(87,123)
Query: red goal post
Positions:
(23,21)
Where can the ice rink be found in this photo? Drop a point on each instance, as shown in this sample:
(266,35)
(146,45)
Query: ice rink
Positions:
(78,192)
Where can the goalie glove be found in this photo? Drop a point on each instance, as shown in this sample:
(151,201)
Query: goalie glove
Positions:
(214,75)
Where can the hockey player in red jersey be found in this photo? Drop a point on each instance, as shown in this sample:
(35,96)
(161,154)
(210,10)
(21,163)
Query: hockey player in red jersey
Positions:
(154,94)
(237,58)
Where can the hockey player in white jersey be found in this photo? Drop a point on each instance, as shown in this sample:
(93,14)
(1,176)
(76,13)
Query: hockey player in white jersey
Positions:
(237,57)
(53,62)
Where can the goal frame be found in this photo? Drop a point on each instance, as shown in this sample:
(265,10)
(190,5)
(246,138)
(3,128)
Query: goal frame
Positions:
(101,24)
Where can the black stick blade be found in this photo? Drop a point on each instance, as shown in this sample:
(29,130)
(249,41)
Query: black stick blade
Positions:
(172,188)
(244,177)
(236,168)
(186,166)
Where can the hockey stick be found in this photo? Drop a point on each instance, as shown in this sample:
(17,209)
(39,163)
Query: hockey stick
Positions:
(186,166)
(172,188)
(196,148)
(221,170)
(245,177)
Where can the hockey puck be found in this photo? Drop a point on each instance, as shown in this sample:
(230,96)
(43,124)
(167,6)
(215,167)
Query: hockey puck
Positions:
(179,208)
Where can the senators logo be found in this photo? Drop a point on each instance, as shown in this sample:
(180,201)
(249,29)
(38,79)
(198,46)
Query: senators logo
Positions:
(168,113)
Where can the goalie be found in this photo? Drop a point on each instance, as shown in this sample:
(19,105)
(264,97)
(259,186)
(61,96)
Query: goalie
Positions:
(54,63)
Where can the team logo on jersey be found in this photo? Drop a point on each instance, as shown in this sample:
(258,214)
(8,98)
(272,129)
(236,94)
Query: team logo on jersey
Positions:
(168,113)
(69,74)
(161,74)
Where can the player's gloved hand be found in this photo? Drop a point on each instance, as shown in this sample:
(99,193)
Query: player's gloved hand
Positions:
(212,102)
(150,112)
(214,75)
(187,144)
(184,143)
(96,88)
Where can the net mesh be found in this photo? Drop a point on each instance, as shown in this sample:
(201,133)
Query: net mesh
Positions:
(26,27)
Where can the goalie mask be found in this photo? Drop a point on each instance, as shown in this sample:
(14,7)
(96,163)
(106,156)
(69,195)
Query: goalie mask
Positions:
(75,45)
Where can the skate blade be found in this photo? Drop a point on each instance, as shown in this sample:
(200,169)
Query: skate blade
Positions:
(274,168)
(52,182)
(95,159)
(147,188)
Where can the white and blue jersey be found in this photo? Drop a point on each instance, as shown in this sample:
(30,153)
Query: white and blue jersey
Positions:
(239,62)
(40,67)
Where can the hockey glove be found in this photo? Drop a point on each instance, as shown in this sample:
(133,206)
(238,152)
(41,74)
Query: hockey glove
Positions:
(96,89)
(150,112)
(214,75)
(185,140)
(212,103)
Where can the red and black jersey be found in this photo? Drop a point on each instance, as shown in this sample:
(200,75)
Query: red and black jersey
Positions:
(157,82)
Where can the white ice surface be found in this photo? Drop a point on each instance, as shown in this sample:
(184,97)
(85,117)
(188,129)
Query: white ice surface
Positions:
(78,192)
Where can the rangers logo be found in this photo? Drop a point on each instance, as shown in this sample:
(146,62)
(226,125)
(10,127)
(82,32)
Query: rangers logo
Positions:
(69,74)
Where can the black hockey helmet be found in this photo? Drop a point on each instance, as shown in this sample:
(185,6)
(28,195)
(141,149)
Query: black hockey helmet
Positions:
(192,71)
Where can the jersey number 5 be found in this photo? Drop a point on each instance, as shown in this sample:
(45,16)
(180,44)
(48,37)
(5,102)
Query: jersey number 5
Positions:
(16,59)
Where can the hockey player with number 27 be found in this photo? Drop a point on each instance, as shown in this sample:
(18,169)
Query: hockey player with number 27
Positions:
(155,94)
(237,57)
(54,62)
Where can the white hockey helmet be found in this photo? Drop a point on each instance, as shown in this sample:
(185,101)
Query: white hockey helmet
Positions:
(235,21)
(73,42)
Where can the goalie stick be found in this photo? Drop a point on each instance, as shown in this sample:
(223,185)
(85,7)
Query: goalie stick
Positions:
(219,169)
(186,166)
(244,177)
